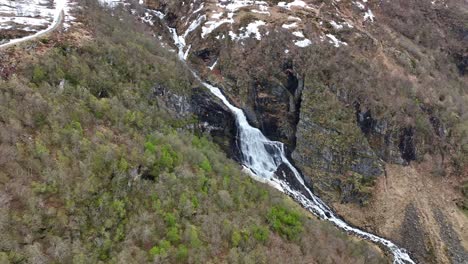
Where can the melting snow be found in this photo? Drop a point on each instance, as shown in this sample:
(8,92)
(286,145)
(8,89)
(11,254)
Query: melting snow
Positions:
(251,29)
(336,42)
(288,26)
(295,3)
(303,43)
(228,10)
(298,34)
(294,18)
(25,14)
(336,25)
(55,16)
(360,5)
(369,15)
(210,26)
(110,3)
(339,26)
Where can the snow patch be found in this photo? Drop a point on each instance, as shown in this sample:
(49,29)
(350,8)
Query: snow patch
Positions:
(28,21)
(110,3)
(289,26)
(249,30)
(335,41)
(295,3)
(303,43)
(369,16)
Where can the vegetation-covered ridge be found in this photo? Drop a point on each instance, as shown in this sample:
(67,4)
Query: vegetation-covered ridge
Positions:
(92,170)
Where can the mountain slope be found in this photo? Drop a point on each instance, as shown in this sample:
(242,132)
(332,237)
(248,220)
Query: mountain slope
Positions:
(369,96)
(102,163)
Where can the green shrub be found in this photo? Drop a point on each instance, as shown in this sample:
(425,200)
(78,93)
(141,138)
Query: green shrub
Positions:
(194,239)
(206,165)
(182,253)
(40,149)
(169,158)
(161,249)
(260,233)
(170,219)
(236,238)
(119,207)
(285,222)
(39,75)
(150,147)
(173,234)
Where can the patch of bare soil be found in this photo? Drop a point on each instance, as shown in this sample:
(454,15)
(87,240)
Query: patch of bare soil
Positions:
(417,210)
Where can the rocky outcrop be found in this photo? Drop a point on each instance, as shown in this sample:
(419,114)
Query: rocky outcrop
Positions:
(271,103)
(332,151)
(391,143)
(212,116)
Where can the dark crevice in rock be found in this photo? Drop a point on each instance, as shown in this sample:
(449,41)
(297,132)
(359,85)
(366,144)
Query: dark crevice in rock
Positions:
(364,119)
(462,62)
(438,126)
(406,145)
(297,111)
(204,54)
(171,19)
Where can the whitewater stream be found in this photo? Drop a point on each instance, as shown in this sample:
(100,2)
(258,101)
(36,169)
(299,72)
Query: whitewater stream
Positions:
(266,161)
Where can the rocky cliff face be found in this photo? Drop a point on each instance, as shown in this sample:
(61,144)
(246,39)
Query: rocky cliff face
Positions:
(211,116)
(351,87)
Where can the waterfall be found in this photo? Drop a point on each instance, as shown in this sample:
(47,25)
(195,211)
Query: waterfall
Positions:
(262,159)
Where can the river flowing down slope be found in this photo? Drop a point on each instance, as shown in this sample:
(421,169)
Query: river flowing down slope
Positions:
(266,161)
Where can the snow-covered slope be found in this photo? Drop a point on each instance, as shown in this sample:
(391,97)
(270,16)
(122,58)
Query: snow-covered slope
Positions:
(26,18)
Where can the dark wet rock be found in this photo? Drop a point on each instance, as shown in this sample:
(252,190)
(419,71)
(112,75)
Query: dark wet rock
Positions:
(438,126)
(366,167)
(204,54)
(213,117)
(171,19)
(284,172)
(407,145)
(217,120)
(276,111)
(364,119)
(178,105)
(326,157)
(414,238)
(461,60)
(332,150)
(350,193)
(455,250)
(385,138)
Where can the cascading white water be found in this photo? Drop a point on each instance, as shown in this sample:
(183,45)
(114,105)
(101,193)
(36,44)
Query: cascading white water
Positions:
(262,157)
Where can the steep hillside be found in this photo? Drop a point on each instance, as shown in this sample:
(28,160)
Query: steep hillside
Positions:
(106,157)
(369,96)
